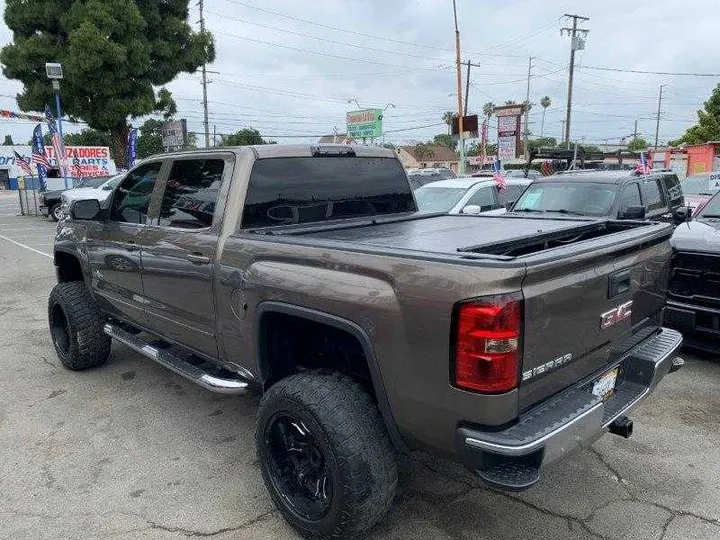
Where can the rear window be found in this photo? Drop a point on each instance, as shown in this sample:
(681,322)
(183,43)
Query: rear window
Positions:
(288,191)
(576,198)
(431,199)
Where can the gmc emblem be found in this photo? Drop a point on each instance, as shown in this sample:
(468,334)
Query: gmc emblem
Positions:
(615,315)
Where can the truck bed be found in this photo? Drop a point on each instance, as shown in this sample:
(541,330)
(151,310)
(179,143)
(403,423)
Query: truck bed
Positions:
(491,236)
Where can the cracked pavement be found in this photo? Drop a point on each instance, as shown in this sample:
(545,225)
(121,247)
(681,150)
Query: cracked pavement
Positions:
(131,451)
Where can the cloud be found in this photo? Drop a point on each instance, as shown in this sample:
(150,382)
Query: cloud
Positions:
(288,67)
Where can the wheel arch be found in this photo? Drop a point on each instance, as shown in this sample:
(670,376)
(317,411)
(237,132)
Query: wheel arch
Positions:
(267,308)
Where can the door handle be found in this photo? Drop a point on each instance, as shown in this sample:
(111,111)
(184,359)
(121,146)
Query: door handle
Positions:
(198,258)
(130,246)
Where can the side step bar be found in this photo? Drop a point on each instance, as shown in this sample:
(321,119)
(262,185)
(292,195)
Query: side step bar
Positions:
(219,385)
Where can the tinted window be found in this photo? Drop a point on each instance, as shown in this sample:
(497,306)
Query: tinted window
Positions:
(698,185)
(510,193)
(672,184)
(483,198)
(575,198)
(132,197)
(631,197)
(191,193)
(432,199)
(654,196)
(285,191)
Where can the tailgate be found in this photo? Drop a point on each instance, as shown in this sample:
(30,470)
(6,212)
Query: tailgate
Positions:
(588,303)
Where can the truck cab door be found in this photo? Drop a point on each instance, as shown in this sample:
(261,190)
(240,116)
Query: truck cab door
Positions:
(179,252)
(114,246)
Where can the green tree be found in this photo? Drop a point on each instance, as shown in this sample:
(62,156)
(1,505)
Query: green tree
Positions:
(444,140)
(149,141)
(8,141)
(488,109)
(422,151)
(545,102)
(88,137)
(542,142)
(448,117)
(510,102)
(637,144)
(708,126)
(244,137)
(114,54)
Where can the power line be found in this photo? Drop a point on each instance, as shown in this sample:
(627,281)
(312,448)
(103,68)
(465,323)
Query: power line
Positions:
(673,73)
(329,55)
(327,40)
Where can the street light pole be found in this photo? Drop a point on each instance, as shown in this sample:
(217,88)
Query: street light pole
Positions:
(55,74)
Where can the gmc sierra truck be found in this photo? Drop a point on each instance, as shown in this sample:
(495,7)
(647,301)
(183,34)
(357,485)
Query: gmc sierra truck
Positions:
(307,273)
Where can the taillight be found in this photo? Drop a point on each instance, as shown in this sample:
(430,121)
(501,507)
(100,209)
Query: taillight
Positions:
(487,344)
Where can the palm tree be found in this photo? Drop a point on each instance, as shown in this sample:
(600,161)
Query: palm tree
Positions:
(545,102)
(488,109)
(447,117)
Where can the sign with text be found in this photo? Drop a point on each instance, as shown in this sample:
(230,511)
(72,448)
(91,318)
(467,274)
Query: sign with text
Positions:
(365,124)
(509,132)
(507,147)
(174,134)
(470,127)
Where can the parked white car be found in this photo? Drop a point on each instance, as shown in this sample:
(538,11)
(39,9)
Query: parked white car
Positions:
(468,195)
(101,193)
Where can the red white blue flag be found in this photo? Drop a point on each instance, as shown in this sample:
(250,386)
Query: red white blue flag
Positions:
(56,139)
(498,175)
(23,163)
(643,167)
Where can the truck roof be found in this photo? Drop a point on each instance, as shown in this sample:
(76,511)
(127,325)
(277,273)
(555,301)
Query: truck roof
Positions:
(263,151)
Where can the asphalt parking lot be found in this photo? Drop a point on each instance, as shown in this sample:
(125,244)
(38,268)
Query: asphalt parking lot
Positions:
(132,450)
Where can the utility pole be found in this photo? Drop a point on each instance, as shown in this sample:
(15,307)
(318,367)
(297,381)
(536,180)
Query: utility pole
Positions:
(562,131)
(526,132)
(204,80)
(635,132)
(461,167)
(657,121)
(575,45)
(467,86)
(214,135)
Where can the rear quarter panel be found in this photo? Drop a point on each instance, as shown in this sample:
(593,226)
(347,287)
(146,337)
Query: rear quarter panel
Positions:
(403,305)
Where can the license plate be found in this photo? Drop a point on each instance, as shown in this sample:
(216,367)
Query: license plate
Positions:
(605,385)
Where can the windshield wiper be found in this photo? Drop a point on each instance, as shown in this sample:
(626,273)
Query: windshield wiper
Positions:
(710,216)
(568,212)
(530,210)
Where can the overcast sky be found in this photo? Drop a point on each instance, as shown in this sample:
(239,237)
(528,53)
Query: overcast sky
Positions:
(288,67)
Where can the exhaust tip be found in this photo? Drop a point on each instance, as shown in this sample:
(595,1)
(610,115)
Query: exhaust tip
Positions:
(623,427)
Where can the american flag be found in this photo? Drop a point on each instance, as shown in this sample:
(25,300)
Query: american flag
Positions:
(40,159)
(643,167)
(23,163)
(56,139)
(498,175)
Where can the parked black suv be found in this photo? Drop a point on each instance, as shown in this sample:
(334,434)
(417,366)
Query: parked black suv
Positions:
(656,196)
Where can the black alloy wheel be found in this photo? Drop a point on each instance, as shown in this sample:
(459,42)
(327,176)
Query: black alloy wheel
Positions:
(299,469)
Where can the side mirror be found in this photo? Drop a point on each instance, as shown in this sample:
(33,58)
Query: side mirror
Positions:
(471,209)
(86,209)
(682,214)
(509,205)
(634,212)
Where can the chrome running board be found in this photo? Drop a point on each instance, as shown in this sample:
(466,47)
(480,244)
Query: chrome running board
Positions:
(219,385)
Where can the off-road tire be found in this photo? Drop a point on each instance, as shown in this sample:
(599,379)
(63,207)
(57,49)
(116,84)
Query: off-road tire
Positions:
(87,345)
(52,212)
(350,431)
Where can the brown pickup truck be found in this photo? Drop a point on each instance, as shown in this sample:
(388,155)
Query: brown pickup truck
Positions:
(306,272)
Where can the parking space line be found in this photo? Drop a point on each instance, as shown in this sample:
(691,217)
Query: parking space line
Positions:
(26,247)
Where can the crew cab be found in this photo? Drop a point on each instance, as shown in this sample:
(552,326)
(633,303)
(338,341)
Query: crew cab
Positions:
(657,196)
(307,273)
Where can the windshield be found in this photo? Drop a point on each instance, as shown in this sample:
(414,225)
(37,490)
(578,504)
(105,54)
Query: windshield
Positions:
(712,208)
(431,199)
(574,198)
(509,194)
(698,185)
(92,182)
